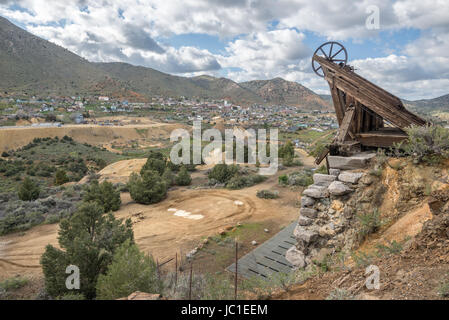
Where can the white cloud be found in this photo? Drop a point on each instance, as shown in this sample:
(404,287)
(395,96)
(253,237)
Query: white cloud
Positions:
(264,38)
(263,55)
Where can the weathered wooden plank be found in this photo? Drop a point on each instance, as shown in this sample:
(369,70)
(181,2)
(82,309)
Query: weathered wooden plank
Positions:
(336,100)
(347,121)
(321,156)
(356,79)
(380,139)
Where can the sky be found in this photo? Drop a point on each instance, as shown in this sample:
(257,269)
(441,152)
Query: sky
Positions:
(401,45)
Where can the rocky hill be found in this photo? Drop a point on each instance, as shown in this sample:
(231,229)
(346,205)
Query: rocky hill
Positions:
(280,91)
(35,66)
(429,105)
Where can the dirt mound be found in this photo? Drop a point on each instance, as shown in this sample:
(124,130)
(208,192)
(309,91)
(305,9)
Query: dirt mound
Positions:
(118,172)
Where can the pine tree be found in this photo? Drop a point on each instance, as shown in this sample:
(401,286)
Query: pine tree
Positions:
(88,240)
(183,178)
(29,190)
(61,177)
(147,188)
(130,271)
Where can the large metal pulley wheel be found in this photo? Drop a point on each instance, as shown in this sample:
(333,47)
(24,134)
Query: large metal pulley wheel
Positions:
(331,51)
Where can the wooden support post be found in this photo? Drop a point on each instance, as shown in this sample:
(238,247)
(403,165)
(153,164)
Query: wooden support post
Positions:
(339,109)
(321,156)
(344,128)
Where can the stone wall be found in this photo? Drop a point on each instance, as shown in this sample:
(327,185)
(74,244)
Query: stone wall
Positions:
(327,222)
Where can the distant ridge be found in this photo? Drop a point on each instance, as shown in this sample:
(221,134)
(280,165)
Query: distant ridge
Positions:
(34,66)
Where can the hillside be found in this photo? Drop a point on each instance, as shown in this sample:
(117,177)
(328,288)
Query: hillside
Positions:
(280,91)
(35,66)
(429,105)
(31,64)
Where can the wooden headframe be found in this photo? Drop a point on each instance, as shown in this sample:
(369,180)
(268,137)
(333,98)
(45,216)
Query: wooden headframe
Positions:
(367,114)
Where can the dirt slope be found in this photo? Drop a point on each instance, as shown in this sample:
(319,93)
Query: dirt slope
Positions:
(13,138)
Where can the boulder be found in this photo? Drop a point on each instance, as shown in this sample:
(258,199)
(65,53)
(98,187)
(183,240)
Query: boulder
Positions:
(357,161)
(323,179)
(295,257)
(307,201)
(334,172)
(338,188)
(308,212)
(350,177)
(316,192)
(304,221)
(306,236)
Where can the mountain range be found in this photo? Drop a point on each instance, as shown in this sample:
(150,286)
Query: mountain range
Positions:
(34,66)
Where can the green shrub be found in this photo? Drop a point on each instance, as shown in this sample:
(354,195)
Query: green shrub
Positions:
(71,296)
(13,283)
(267,194)
(322,169)
(286,150)
(425,144)
(104,194)
(148,188)
(183,178)
(28,190)
(61,177)
(20,221)
(369,222)
(394,247)
(5,154)
(168,176)
(283,179)
(242,181)
(130,271)
(222,172)
(88,240)
(156,161)
(302,178)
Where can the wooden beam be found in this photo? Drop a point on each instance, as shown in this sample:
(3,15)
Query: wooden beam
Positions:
(321,156)
(346,123)
(337,105)
(373,139)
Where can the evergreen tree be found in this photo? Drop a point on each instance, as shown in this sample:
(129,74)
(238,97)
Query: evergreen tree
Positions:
(61,177)
(88,240)
(183,178)
(169,177)
(104,194)
(147,188)
(130,271)
(28,190)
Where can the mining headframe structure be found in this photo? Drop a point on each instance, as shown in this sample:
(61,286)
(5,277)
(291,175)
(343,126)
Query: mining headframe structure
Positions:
(368,116)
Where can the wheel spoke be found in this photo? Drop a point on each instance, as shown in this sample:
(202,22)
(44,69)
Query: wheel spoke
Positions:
(337,52)
(324,53)
(330,51)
